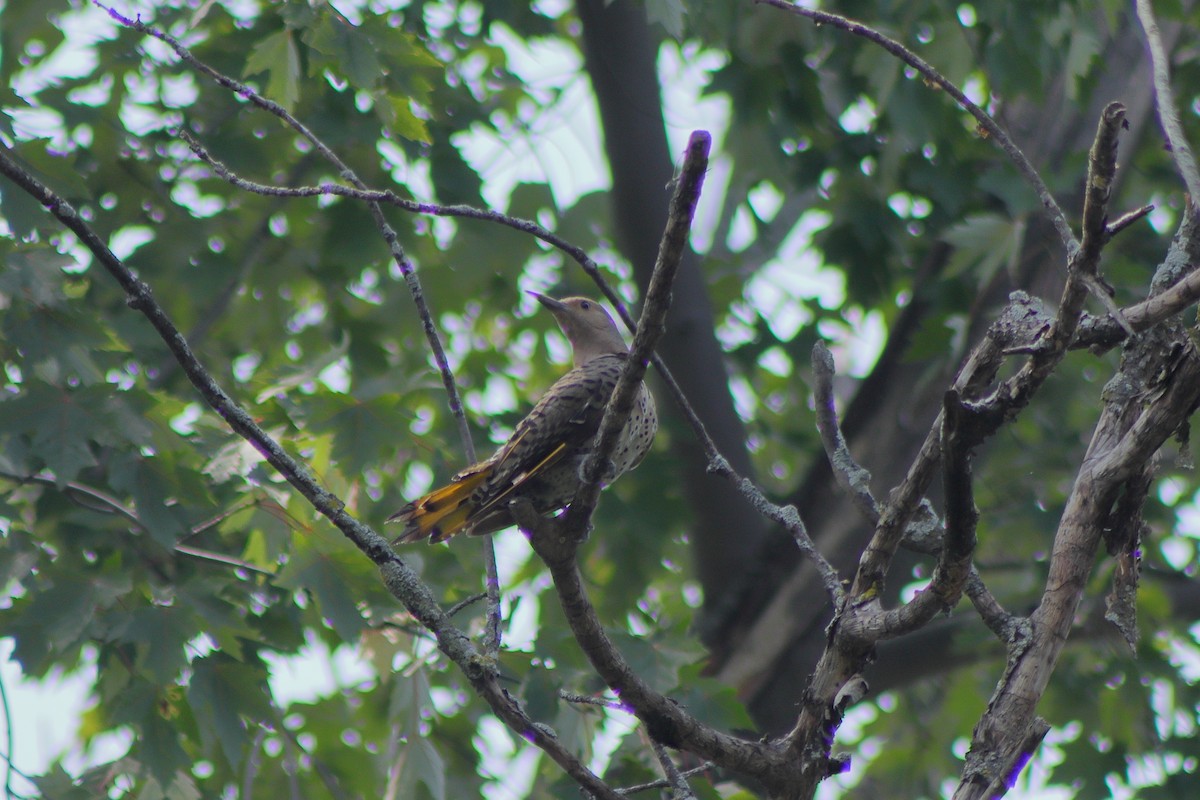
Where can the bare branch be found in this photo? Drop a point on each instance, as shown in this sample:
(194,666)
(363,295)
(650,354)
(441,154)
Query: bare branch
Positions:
(104,503)
(953,569)
(718,464)
(1125,220)
(678,783)
(989,125)
(1030,742)
(1181,151)
(401,581)
(662,784)
(853,478)
(466,602)
(665,720)
(389,235)
(572,697)
(407,270)
(649,330)
(998,621)
(1105,332)
(1156,389)
(1022,324)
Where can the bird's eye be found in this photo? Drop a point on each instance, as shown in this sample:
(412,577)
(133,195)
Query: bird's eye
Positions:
(585,305)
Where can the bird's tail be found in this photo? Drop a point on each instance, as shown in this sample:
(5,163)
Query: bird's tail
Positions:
(443,512)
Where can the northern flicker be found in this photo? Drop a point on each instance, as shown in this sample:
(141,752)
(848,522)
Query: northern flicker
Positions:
(541,461)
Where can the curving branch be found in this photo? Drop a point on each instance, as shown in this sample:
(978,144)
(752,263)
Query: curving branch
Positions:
(973,411)
(718,464)
(1155,391)
(665,720)
(1181,150)
(1103,332)
(405,265)
(401,581)
(993,129)
(954,567)
(680,790)
(985,416)
(102,502)
(556,540)
(851,476)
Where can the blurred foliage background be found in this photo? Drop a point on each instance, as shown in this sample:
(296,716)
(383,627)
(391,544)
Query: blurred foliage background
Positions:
(848,201)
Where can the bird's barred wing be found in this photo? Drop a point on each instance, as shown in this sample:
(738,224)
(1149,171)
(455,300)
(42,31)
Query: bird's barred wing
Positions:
(565,419)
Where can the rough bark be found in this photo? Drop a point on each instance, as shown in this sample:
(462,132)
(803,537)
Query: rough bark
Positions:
(778,630)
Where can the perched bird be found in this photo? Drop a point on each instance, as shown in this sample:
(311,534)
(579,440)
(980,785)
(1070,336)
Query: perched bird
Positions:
(542,459)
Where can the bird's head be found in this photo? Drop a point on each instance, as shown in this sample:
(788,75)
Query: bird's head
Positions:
(587,326)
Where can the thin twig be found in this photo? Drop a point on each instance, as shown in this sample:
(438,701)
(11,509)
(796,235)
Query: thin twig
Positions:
(603,702)
(850,475)
(1102,292)
(989,125)
(788,517)
(1022,324)
(998,621)
(1128,218)
(1014,394)
(663,784)
(389,235)
(1106,332)
(400,580)
(717,463)
(407,270)
(461,604)
(664,719)
(1181,151)
(953,569)
(678,783)
(111,505)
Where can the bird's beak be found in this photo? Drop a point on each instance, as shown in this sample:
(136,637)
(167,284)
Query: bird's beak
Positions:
(553,305)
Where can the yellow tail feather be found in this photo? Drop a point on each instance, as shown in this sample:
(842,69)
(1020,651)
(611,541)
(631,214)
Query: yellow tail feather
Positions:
(444,511)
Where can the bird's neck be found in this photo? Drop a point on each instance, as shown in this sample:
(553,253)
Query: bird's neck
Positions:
(582,357)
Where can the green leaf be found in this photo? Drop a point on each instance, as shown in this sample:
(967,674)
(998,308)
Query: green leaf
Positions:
(669,14)
(33,274)
(364,433)
(983,244)
(160,633)
(221,693)
(396,112)
(328,577)
(349,47)
(159,749)
(277,56)
(419,763)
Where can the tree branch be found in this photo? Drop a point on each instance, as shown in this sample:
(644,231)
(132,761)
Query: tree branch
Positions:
(407,270)
(1156,389)
(665,720)
(675,779)
(993,129)
(1181,151)
(787,517)
(852,477)
(954,567)
(650,329)
(1104,332)
(401,581)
